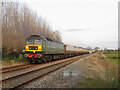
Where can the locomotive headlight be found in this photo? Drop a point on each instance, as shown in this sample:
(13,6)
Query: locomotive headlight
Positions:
(39,47)
(26,47)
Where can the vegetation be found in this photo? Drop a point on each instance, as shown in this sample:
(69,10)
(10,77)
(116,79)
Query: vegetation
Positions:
(13,58)
(17,56)
(18,23)
(113,56)
(101,74)
(115,61)
(98,82)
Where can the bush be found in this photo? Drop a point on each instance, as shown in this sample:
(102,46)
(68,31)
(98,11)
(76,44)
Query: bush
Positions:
(17,56)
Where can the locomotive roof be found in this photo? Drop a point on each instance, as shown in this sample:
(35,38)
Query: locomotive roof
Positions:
(39,37)
(34,37)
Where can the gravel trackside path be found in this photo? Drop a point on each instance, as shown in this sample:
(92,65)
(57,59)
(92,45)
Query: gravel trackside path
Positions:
(57,78)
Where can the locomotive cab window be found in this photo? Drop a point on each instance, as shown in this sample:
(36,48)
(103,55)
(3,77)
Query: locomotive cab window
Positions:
(37,42)
(29,42)
(33,42)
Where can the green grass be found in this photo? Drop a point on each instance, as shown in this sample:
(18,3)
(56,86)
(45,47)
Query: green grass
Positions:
(111,54)
(110,80)
(11,56)
(115,61)
(98,82)
(89,66)
(107,78)
(20,59)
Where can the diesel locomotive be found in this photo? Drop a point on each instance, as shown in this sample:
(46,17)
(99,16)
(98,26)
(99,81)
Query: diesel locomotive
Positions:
(39,49)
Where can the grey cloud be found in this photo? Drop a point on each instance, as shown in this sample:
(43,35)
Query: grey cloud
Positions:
(72,30)
(88,28)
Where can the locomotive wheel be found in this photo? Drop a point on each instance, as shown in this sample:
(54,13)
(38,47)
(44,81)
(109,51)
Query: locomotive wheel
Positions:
(31,62)
(40,61)
(49,59)
(36,62)
(44,60)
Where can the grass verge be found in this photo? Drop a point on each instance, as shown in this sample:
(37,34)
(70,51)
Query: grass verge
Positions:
(115,61)
(102,73)
(11,59)
(113,57)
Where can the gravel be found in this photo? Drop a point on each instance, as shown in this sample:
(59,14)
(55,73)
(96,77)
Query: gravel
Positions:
(11,74)
(58,80)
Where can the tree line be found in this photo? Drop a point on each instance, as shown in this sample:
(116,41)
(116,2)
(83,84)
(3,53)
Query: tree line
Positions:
(19,22)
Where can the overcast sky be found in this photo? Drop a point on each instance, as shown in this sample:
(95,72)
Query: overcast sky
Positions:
(81,22)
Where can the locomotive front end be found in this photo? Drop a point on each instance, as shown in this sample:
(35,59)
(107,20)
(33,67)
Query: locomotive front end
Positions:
(33,50)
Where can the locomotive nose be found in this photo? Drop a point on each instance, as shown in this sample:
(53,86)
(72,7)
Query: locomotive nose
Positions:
(33,47)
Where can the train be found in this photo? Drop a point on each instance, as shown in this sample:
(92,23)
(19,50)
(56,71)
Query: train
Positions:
(40,49)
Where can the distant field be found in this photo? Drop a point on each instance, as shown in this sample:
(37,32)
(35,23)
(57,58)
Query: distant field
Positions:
(112,54)
(112,57)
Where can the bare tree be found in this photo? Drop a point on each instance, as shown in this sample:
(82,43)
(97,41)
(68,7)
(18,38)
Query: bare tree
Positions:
(19,22)
(58,35)
(97,48)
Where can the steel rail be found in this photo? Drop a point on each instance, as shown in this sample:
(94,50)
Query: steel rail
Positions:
(42,75)
(15,77)
(21,68)
(13,67)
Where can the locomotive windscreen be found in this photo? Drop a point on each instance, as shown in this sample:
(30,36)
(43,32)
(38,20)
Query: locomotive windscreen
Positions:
(33,42)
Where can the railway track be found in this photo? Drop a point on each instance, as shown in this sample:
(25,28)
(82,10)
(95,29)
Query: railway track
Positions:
(25,78)
(14,68)
(21,67)
(7,68)
(14,72)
